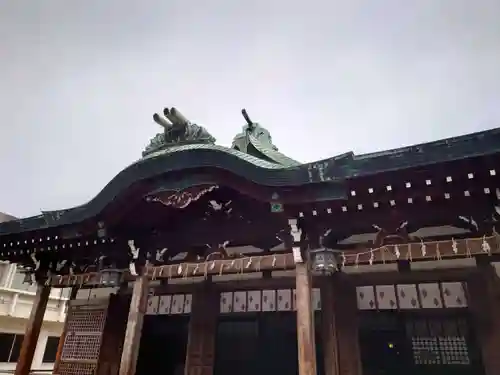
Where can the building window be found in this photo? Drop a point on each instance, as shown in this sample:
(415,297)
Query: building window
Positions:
(50,353)
(19,284)
(10,347)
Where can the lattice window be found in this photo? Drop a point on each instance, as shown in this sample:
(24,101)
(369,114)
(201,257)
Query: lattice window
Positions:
(454,350)
(82,343)
(77,368)
(439,341)
(84,319)
(81,346)
(425,350)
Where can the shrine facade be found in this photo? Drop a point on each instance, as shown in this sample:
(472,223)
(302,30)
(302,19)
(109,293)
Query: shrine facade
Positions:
(213,259)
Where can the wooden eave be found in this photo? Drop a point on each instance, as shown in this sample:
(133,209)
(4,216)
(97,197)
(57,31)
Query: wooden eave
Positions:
(360,189)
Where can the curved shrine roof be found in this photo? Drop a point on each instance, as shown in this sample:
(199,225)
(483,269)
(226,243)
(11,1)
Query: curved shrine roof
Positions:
(6,217)
(187,146)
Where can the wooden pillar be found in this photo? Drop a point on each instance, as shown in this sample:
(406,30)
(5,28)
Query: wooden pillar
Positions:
(484,301)
(200,353)
(72,296)
(328,326)
(134,326)
(34,325)
(305,321)
(346,325)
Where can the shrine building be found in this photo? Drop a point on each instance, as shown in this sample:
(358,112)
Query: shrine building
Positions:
(222,260)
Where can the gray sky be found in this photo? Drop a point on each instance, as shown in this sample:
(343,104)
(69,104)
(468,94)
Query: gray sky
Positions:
(79,80)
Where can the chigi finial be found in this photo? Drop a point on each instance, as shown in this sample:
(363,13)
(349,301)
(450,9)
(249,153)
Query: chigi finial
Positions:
(178,130)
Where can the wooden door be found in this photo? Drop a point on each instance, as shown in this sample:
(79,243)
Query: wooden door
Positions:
(93,336)
(202,329)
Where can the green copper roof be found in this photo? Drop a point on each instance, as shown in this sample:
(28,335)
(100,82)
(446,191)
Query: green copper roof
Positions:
(254,141)
(261,163)
(186,147)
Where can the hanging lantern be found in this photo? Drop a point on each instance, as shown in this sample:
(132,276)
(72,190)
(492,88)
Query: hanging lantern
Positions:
(111,277)
(324,261)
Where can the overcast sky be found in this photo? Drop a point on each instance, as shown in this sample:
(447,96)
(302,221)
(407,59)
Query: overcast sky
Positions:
(80,80)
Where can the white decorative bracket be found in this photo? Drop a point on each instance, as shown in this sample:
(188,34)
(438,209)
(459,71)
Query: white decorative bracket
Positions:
(160,253)
(35,261)
(296,233)
(135,256)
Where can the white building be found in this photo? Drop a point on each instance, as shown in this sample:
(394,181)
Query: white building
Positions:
(16,300)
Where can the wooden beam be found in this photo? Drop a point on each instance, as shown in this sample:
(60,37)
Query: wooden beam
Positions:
(413,252)
(133,332)
(361,279)
(33,328)
(369,244)
(305,321)
(432,250)
(223,267)
(418,276)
